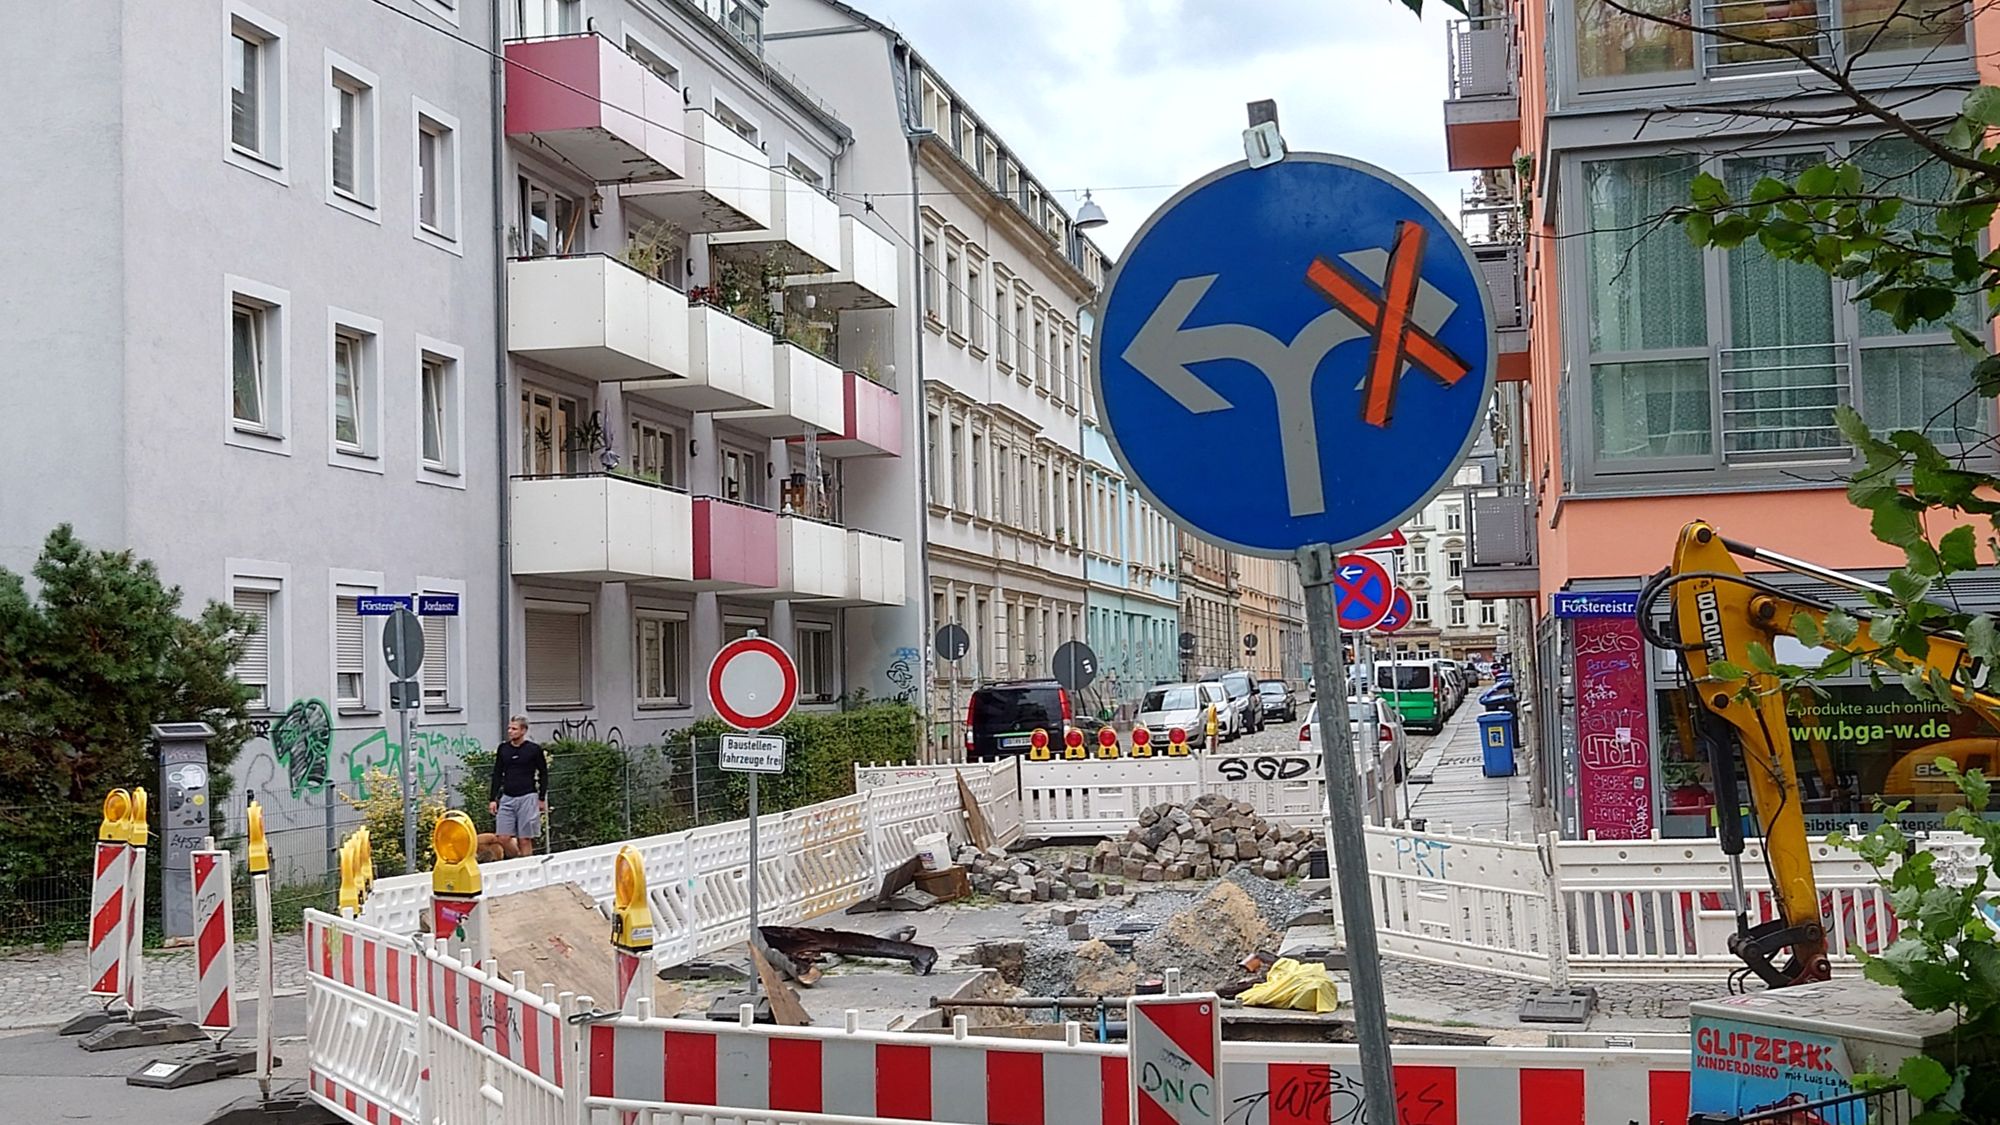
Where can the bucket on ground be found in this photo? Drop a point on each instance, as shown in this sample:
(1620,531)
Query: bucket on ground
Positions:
(934,850)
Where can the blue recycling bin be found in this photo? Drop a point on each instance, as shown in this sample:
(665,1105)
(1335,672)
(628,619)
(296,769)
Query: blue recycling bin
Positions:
(1496,743)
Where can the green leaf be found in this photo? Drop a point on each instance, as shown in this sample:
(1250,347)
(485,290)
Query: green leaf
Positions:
(1924,1077)
(1816,180)
(1896,525)
(1908,587)
(1709,191)
(1731,231)
(1882,629)
(1806,629)
(1770,187)
(1841,627)
(1760,658)
(1982,637)
(1959,549)
(1699,225)
(1724,670)
(1986,376)
(1982,105)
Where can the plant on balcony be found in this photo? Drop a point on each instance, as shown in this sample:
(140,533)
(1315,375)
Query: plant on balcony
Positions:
(654,249)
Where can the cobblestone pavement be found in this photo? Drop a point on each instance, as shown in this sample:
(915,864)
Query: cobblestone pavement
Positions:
(1458,996)
(40,987)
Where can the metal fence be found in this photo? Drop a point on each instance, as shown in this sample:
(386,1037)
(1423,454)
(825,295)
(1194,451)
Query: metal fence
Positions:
(1886,1106)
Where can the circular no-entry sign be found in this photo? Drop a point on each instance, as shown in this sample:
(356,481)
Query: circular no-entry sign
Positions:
(1362,591)
(1399,613)
(753,683)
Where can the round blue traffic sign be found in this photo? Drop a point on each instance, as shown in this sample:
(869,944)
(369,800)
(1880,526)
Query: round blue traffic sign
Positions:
(1400,611)
(1295,354)
(1362,592)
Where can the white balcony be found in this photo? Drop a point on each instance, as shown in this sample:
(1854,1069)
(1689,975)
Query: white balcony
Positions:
(875,569)
(595,316)
(804,234)
(731,366)
(866,278)
(727,188)
(601,528)
(812,559)
(809,398)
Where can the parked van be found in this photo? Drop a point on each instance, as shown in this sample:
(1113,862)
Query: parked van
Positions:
(1001,718)
(1417,694)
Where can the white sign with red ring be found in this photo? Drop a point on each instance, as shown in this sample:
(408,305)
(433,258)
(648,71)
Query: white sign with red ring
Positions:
(753,683)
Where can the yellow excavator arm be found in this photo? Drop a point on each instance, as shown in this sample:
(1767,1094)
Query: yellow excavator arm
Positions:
(1717,613)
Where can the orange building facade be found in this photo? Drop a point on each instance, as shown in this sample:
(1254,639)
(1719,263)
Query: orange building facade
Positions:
(1646,383)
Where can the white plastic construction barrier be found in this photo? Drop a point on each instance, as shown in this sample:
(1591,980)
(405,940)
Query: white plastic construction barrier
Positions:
(214,940)
(107,903)
(361,1021)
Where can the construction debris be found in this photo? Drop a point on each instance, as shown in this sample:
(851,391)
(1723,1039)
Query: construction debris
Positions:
(1026,878)
(1203,840)
(1289,984)
(558,934)
(948,885)
(805,948)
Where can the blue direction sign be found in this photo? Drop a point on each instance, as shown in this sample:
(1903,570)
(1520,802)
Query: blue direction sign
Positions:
(1400,610)
(1314,332)
(1362,592)
(379,605)
(437,605)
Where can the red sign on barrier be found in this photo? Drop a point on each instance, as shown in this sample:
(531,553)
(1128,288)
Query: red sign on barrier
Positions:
(1176,1060)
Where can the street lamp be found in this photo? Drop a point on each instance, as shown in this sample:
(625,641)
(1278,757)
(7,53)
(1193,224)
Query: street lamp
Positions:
(1090,216)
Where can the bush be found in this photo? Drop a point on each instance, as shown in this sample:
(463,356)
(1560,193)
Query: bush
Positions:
(382,814)
(821,750)
(599,792)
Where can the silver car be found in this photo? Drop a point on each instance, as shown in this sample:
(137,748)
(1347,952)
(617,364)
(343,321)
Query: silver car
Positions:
(1167,706)
(1381,751)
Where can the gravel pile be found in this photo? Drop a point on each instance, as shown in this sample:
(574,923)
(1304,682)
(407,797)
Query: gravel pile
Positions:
(1210,837)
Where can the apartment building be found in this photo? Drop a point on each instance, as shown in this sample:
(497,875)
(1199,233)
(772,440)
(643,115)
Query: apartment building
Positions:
(695,371)
(1270,612)
(1650,383)
(1132,609)
(1210,638)
(249,316)
(1444,620)
(1004,277)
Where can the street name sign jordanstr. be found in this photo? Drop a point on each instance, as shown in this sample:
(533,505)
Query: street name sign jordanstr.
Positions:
(752,684)
(1314,330)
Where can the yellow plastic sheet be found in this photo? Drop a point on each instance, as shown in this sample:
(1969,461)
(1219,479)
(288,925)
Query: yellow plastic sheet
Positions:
(1290,984)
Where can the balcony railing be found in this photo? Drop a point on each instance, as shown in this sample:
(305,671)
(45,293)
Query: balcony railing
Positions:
(1482,117)
(594,106)
(1482,57)
(1778,402)
(600,527)
(1500,558)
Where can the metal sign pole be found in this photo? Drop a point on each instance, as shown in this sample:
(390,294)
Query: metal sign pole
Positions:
(1347,850)
(399,662)
(755,936)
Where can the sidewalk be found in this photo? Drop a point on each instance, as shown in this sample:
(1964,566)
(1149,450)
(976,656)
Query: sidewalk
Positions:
(1459,793)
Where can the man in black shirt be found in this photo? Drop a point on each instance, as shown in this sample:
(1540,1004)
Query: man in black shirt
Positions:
(520,792)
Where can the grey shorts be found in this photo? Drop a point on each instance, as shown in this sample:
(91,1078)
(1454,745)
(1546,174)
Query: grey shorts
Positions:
(519,816)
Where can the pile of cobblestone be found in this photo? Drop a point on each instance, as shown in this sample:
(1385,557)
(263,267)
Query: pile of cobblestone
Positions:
(1027,878)
(1203,840)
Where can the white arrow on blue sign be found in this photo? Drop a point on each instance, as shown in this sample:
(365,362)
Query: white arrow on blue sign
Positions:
(1315,333)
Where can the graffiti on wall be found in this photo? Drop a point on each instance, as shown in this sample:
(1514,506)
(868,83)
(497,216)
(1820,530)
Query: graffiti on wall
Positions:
(902,672)
(302,738)
(429,750)
(1614,755)
(302,755)
(583,730)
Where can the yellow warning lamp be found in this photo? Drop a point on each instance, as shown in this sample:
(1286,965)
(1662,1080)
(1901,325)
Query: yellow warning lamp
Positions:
(1107,742)
(136,827)
(364,863)
(113,829)
(1073,746)
(1142,742)
(1038,746)
(456,844)
(260,850)
(631,917)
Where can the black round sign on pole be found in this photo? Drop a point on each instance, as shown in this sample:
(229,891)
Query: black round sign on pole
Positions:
(1075,665)
(1250,641)
(952,642)
(1187,644)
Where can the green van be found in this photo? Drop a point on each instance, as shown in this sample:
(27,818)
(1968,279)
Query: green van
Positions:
(1413,691)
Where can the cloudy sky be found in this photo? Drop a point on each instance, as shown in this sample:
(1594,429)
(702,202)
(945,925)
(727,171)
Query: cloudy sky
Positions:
(1123,96)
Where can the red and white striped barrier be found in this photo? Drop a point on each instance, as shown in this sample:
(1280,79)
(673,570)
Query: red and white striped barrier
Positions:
(351,1103)
(107,919)
(214,940)
(498,1017)
(1463,1086)
(382,967)
(135,906)
(963,1082)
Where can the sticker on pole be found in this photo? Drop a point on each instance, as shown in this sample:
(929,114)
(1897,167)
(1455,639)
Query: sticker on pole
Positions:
(1175,1045)
(753,683)
(752,753)
(1400,609)
(1362,591)
(1319,320)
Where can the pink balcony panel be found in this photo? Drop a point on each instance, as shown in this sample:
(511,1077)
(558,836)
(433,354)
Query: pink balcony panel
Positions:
(874,421)
(735,546)
(590,102)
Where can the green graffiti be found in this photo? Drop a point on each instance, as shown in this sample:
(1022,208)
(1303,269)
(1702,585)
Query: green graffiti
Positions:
(301,739)
(428,752)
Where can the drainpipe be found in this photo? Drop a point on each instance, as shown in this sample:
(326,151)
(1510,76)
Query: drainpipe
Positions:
(504,604)
(914,136)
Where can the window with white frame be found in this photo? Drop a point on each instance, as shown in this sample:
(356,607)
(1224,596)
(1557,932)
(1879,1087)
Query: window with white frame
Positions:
(660,655)
(818,675)
(536,18)
(1420,607)
(1489,614)
(652,60)
(354,371)
(978,474)
(1023,348)
(439,402)
(933,291)
(805,173)
(350,652)
(254,72)
(740,125)
(955,455)
(954,273)
(1003,340)
(440,661)
(548,421)
(350,136)
(1454,518)
(1003,495)
(437,174)
(554,639)
(975,315)
(1457,611)
(931,431)
(743,476)
(1041,341)
(655,452)
(552,220)
(257,599)
(255,351)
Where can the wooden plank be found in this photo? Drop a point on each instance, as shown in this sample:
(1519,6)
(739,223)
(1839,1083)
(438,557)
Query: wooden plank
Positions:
(557,935)
(785,1006)
(975,817)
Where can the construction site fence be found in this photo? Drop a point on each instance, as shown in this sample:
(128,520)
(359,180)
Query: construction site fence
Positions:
(401,1031)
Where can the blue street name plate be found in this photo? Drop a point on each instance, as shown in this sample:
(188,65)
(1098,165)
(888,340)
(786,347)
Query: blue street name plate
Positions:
(379,605)
(437,605)
(1594,605)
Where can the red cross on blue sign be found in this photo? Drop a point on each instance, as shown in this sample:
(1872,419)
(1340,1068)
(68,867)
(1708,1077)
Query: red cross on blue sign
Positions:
(1362,591)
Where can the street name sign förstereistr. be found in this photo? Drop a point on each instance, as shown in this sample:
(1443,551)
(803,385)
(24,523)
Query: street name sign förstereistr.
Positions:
(1570,604)
(1318,326)
(752,753)
(380,605)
